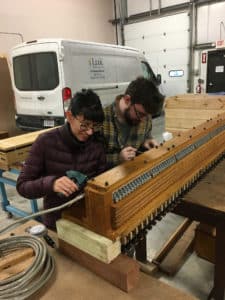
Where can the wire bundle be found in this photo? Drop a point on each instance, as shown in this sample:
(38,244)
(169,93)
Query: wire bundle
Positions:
(27,282)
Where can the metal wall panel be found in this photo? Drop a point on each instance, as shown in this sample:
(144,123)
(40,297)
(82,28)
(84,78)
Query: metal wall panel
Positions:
(165,43)
(209,23)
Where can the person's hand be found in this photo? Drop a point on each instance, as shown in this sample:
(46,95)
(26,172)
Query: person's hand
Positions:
(127,153)
(150,143)
(65,186)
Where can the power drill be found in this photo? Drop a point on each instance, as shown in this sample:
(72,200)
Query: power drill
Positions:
(77,177)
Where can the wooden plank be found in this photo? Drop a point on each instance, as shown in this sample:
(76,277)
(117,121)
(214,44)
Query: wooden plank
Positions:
(172,262)
(172,241)
(175,131)
(187,114)
(122,272)
(92,243)
(196,101)
(18,260)
(15,257)
(182,112)
(17,268)
(181,123)
(20,141)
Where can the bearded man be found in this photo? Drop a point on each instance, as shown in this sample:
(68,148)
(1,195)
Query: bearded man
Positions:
(128,121)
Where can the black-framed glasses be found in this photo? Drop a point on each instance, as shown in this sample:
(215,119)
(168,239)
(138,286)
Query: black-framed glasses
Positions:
(86,125)
(139,115)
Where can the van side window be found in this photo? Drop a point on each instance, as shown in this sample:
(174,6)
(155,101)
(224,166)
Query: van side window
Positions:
(36,71)
(147,71)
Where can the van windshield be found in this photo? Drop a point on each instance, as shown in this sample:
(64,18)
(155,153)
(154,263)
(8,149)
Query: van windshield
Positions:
(147,71)
(36,71)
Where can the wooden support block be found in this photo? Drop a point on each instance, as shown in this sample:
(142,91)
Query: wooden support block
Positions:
(92,243)
(205,240)
(122,272)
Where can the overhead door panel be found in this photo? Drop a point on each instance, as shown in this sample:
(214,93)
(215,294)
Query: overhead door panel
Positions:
(165,43)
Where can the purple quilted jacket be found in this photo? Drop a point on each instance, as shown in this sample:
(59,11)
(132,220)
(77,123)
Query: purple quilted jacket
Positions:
(52,154)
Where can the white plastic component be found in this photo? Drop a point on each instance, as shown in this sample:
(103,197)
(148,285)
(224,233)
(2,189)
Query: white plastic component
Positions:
(167,136)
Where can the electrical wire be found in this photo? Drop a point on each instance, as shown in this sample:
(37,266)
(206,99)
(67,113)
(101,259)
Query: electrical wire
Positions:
(43,212)
(24,284)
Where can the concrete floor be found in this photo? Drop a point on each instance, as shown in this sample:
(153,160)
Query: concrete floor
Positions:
(194,277)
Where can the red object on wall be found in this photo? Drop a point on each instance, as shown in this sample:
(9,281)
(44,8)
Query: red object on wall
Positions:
(203,57)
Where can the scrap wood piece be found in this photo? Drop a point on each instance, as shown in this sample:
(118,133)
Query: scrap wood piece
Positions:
(15,262)
(171,256)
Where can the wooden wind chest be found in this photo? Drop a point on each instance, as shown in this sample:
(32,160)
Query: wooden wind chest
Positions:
(126,200)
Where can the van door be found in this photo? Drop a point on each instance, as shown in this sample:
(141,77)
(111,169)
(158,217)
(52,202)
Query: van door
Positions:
(38,81)
(128,69)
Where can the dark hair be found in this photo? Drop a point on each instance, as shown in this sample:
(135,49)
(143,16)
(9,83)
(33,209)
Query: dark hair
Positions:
(145,92)
(88,104)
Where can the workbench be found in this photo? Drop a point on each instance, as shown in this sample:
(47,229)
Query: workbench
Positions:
(72,281)
(206,203)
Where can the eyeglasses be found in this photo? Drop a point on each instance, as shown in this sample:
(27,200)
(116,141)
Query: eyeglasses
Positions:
(87,125)
(139,115)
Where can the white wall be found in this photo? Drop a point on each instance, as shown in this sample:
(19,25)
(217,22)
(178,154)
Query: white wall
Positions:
(74,19)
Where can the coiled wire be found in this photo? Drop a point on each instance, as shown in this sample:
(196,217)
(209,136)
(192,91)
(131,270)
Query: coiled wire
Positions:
(27,282)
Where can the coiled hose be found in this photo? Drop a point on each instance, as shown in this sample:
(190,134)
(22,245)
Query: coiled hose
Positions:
(26,283)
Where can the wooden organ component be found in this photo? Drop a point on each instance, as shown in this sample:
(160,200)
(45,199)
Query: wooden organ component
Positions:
(127,199)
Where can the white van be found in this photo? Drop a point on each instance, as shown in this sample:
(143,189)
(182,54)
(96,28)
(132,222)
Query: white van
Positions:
(46,73)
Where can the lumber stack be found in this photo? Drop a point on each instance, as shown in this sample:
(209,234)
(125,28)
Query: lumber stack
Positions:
(183,112)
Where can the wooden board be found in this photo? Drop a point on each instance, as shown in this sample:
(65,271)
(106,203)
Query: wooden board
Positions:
(122,272)
(18,260)
(172,262)
(182,112)
(16,149)
(196,101)
(20,141)
(92,243)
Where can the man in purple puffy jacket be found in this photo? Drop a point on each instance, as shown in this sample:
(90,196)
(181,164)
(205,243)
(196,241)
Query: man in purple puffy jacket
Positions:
(77,145)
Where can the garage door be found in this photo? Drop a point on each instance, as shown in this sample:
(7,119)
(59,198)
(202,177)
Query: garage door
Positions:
(165,43)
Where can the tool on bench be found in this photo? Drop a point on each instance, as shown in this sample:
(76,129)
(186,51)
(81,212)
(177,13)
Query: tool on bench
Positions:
(40,230)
